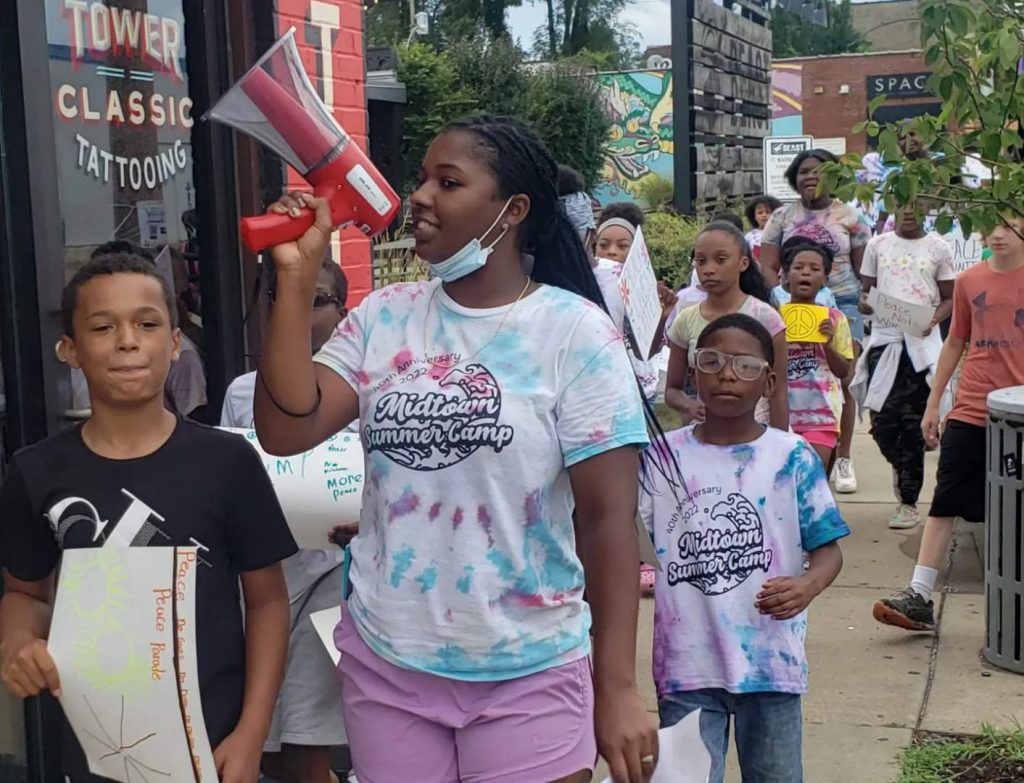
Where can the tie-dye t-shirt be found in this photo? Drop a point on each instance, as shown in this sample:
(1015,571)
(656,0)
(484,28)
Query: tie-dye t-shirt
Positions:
(815,393)
(607,274)
(839,227)
(747,514)
(465,564)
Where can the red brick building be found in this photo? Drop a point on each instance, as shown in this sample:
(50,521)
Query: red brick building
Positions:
(330,39)
(837,88)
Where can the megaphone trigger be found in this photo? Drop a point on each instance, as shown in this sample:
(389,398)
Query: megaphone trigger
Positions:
(259,233)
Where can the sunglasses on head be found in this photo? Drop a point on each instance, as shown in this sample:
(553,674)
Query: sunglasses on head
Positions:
(747,368)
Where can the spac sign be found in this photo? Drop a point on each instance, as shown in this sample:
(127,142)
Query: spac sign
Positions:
(899,85)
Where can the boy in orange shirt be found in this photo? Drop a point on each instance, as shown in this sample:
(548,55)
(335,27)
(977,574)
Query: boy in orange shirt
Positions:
(988,323)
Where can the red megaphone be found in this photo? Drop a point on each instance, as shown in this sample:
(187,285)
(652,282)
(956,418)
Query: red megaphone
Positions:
(276,103)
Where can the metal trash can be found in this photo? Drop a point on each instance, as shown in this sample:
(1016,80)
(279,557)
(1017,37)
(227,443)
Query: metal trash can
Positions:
(1004,531)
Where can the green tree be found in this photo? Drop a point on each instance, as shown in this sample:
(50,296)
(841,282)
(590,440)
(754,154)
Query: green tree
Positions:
(592,27)
(974,50)
(433,99)
(794,36)
(491,71)
(481,75)
(388,23)
(564,107)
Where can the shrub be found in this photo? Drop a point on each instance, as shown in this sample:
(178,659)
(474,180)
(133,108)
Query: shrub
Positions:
(656,191)
(670,241)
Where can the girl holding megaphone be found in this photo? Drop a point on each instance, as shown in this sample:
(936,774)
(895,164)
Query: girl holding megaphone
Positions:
(494,401)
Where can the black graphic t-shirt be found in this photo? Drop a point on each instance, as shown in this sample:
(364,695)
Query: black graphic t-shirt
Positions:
(203,488)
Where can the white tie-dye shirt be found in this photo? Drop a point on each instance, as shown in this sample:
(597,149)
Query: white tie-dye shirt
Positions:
(465,565)
(748,514)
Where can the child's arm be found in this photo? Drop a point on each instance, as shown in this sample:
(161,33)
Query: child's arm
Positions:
(675,382)
(949,358)
(779,402)
(668,299)
(784,597)
(267,621)
(26,667)
(837,362)
(945,308)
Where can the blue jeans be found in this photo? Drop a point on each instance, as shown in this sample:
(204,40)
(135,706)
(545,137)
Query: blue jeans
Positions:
(848,304)
(769,731)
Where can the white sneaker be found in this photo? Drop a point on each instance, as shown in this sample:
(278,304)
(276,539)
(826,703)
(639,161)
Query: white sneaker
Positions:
(905,518)
(844,477)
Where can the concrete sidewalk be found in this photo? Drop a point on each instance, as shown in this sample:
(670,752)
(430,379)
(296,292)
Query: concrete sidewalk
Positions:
(873,686)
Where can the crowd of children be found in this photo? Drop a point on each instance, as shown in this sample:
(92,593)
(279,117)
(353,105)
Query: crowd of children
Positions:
(513,461)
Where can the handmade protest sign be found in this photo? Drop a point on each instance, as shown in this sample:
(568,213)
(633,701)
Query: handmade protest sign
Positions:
(803,322)
(123,640)
(639,289)
(318,489)
(894,313)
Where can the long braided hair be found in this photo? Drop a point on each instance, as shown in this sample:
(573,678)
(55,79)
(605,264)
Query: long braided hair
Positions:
(522,164)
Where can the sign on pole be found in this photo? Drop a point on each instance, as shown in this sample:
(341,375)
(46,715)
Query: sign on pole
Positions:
(779,152)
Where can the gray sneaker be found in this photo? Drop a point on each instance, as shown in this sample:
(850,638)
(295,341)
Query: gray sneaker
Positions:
(905,518)
(906,610)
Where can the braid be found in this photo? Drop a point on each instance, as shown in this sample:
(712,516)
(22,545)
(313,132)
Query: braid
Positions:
(522,164)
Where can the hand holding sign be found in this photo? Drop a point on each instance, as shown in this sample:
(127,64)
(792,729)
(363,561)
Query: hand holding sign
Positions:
(803,323)
(894,313)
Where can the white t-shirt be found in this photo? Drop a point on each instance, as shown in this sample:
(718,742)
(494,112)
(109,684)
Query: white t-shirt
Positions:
(305,567)
(909,269)
(465,565)
(747,514)
(607,274)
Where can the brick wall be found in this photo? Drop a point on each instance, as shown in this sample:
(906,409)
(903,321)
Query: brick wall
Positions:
(827,113)
(329,34)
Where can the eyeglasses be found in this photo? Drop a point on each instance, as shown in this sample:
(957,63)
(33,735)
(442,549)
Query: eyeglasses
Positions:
(747,368)
(321,300)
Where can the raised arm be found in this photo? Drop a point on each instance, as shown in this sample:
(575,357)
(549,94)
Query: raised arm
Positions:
(298,404)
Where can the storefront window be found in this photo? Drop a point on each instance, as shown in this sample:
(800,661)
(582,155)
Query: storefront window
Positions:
(123,125)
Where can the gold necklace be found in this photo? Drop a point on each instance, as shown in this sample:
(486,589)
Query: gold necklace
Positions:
(437,362)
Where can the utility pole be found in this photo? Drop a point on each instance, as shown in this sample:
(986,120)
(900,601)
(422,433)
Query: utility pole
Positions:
(682,106)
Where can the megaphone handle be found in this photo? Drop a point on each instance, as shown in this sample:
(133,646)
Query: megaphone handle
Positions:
(259,233)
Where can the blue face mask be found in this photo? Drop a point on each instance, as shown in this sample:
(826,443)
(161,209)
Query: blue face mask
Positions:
(472,256)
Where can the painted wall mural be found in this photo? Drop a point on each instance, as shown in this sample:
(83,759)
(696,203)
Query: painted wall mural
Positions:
(640,143)
(787,99)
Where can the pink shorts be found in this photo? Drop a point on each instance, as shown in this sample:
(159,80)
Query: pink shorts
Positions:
(405,725)
(826,438)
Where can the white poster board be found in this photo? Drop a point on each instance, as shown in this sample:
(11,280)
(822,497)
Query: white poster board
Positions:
(682,755)
(639,289)
(123,640)
(779,152)
(324,623)
(894,313)
(966,250)
(318,489)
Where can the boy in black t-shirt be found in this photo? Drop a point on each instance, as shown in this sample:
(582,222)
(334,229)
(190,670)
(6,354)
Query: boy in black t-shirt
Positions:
(135,475)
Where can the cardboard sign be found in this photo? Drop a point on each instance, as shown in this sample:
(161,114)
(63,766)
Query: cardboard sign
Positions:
(779,152)
(639,289)
(123,639)
(318,489)
(896,314)
(803,322)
